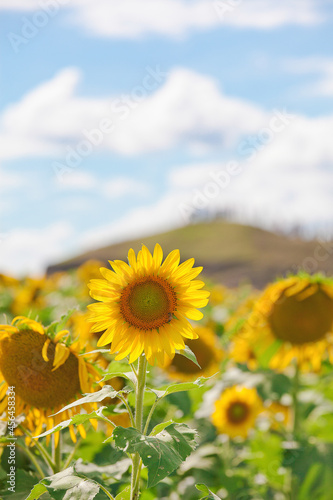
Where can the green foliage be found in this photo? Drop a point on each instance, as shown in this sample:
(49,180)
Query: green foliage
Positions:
(209,495)
(162,453)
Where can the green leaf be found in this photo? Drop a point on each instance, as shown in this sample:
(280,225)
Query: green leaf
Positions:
(160,427)
(118,369)
(76,420)
(315,471)
(265,357)
(97,472)
(67,485)
(94,397)
(267,455)
(125,494)
(37,491)
(185,386)
(189,354)
(161,454)
(24,482)
(57,326)
(209,494)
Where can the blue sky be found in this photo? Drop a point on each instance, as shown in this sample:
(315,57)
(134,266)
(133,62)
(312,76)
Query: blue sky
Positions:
(206,105)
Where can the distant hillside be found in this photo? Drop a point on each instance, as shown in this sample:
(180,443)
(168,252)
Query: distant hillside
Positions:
(230,253)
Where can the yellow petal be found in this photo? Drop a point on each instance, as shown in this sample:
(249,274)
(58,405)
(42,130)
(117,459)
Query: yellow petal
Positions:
(44,350)
(60,357)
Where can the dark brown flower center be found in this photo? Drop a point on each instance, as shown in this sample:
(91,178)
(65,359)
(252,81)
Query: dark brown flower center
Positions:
(203,353)
(301,321)
(237,412)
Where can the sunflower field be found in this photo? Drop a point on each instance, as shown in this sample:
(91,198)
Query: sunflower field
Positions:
(143,380)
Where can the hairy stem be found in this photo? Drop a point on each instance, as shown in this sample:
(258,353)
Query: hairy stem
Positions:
(139,395)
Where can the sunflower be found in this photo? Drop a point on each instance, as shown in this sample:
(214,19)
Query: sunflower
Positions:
(294,318)
(47,373)
(145,305)
(236,411)
(207,351)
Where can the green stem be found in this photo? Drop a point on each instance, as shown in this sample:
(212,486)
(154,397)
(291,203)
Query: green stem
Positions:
(296,385)
(44,453)
(134,369)
(152,409)
(56,452)
(128,409)
(295,430)
(33,460)
(139,395)
(71,455)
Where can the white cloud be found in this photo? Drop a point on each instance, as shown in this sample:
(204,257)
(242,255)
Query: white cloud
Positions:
(10,181)
(176,18)
(26,250)
(320,67)
(286,182)
(188,110)
(77,180)
(20,5)
(119,187)
(143,221)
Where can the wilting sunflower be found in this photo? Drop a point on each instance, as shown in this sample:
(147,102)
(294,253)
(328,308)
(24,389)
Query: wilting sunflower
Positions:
(296,315)
(207,351)
(47,373)
(146,304)
(236,411)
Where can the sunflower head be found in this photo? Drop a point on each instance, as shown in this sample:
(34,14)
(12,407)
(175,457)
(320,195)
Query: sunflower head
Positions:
(236,411)
(296,312)
(46,370)
(207,351)
(145,305)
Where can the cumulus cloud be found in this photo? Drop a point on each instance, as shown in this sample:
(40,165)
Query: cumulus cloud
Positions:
(119,187)
(142,221)
(320,67)
(10,181)
(41,246)
(77,180)
(287,181)
(188,110)
(175,18)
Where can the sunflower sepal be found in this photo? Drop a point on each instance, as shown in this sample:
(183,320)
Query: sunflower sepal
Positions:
(60,325)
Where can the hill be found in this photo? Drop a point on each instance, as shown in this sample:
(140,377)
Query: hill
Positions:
(230,253)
